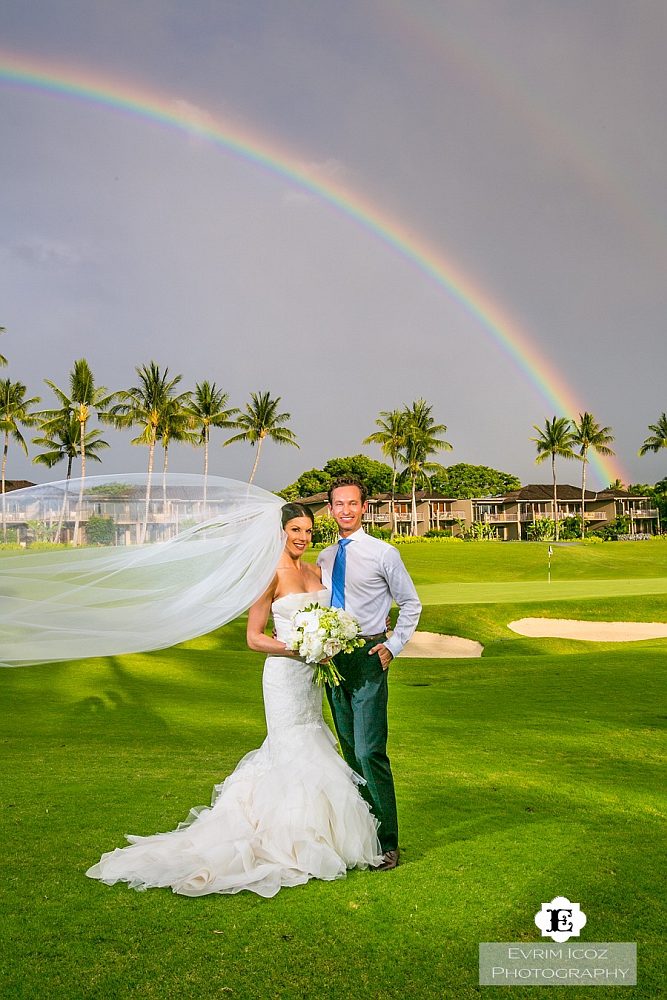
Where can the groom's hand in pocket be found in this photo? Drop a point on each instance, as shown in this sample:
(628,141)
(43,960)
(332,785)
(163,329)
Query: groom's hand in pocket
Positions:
(386,656)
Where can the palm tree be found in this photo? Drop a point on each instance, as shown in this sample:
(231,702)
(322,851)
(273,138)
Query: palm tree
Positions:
(3,359)
(616,485)
(420,442)
(14,411)
(588,434)
(658,439)
(61,441)
(84,397)
(145,405)
(209,408)
(261,420)
(555,439)
(391,439)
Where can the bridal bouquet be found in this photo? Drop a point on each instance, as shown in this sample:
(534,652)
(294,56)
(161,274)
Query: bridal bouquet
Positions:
(318,633)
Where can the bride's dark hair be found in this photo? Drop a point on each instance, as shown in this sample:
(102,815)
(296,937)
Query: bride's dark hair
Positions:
(292,510)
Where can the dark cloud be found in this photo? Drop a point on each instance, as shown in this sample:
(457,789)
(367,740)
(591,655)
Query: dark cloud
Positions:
(523,143)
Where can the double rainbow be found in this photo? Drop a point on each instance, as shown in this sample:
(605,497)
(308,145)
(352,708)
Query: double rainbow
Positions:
(116,95)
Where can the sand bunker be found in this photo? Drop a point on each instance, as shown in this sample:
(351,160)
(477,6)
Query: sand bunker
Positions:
(428,645)
(566,628)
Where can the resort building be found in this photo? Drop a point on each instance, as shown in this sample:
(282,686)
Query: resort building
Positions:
(508,515)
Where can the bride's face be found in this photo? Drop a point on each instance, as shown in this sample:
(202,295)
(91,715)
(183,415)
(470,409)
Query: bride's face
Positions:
(299,533)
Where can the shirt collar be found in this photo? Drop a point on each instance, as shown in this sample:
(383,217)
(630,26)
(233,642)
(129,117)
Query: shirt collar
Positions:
(355,535)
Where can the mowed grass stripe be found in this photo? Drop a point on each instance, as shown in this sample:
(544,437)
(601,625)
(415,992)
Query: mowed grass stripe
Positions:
(518,591)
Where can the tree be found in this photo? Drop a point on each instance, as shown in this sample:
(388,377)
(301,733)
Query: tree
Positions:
(144,405)
(84,398)
(62,441)
(462,481)
(391,439)
(3,359)
(209,408)
(421,441)
(259,421)
(658,439)
(14,412)
(310,482)
(588,434)
(555,439)
(376,476)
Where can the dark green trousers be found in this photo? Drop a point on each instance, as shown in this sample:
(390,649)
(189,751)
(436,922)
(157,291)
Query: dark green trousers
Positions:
(359,709)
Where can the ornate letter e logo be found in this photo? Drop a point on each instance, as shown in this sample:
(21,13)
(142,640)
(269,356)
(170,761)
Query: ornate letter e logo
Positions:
(560,919)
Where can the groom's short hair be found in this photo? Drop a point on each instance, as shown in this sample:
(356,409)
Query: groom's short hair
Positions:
(348,481)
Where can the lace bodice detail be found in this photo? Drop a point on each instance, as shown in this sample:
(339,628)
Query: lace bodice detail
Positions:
(284,608)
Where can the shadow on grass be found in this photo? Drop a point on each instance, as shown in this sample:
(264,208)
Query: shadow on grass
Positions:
(122,706)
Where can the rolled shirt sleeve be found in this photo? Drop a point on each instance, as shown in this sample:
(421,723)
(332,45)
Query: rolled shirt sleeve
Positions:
(403,592)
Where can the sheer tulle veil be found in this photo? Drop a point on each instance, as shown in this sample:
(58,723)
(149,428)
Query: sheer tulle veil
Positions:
(157,561)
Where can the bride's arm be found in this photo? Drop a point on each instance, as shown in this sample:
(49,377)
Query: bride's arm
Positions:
(258,616)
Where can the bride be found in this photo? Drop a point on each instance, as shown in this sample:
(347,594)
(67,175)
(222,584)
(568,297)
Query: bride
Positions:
(292,809)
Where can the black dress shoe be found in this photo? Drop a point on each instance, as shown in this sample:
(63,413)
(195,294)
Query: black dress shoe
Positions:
(390,860)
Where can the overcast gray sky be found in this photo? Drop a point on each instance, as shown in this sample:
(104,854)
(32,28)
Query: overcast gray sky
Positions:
(524,141)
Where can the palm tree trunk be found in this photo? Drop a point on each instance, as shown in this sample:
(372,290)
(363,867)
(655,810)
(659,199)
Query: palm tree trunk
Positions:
(4,500)
(164,478)
(414,505)
(206,434)
(393,499)
(151,456)
(555,500)
(82,427)
(583,491)
(254,468)
(64,503)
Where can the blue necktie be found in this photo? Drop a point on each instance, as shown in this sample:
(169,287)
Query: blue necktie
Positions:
(338,575)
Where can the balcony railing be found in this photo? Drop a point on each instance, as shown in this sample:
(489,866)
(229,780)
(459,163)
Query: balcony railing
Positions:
(499,518)
(376,518)
(590,515)
(447,515)
(646,512)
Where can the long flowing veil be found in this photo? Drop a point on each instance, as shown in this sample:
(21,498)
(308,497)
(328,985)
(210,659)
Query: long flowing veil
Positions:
(151,562)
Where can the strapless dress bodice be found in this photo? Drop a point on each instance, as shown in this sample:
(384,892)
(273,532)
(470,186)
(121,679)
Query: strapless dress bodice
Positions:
(284,608)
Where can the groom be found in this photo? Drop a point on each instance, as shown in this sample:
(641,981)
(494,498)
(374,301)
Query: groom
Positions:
(365,575)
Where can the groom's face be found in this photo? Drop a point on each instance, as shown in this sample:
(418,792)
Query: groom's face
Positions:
(347,509)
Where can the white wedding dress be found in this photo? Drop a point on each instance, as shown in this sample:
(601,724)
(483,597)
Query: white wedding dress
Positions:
(290,811)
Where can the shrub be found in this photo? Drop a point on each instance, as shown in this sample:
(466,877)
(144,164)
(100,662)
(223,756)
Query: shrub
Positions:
(382,533)
(325,530)
(423,540)
(479,531)
(100,530)
(542,529)
(570,527)
(620,526)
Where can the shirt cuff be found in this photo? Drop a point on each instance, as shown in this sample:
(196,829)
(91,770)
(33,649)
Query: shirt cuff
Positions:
(393,644)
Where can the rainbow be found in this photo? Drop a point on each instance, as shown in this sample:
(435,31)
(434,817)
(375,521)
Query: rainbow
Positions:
(241,142)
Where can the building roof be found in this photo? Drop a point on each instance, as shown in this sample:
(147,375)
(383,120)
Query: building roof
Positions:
(533,492)
(17,484)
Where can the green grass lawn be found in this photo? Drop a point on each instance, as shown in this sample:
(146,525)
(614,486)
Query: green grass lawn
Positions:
(531,772)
